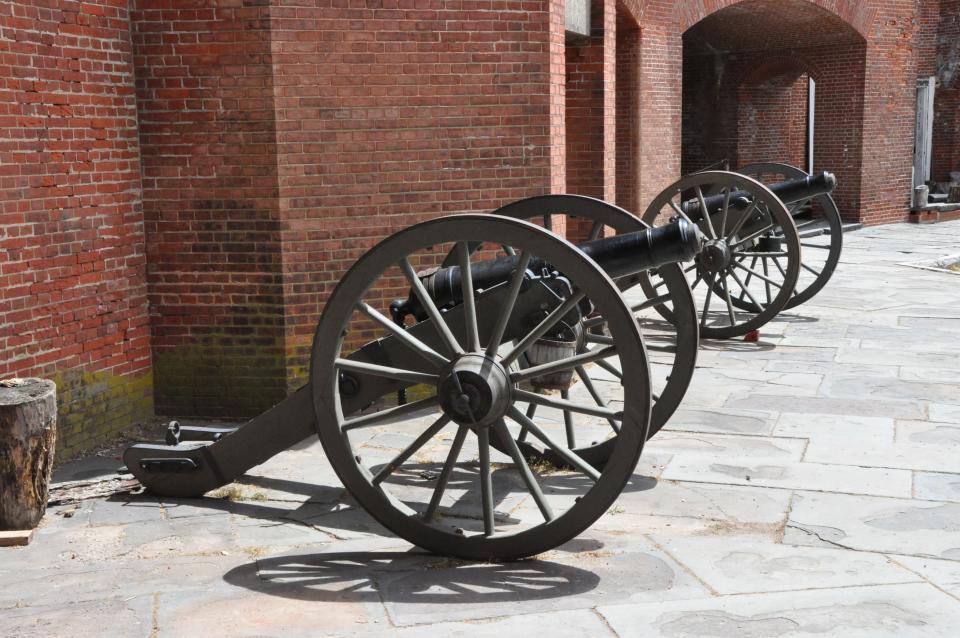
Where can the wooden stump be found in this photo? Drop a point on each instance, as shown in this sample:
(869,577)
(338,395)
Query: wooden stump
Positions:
(28,432)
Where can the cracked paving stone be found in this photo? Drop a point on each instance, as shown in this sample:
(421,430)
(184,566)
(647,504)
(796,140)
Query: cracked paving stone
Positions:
(898,526)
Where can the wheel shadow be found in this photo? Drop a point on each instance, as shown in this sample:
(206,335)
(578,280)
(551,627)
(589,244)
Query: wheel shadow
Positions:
(409,578)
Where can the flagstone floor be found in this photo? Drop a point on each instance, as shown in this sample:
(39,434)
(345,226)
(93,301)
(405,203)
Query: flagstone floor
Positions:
(808,486)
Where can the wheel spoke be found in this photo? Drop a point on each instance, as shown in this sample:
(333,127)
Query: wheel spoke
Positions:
(766,284)
(430,307)
(386,372)
(469,302)
(726,208)
(819,246)
(816,273)
(588,384)
(568,421)
(486,481)
(568,455)
(548,322)
(726,297)
(776,262)
(531,410)
(637,307)
(516,280)
(705,212)
(563,364)
(407,452)
(403,336)
(376,418)
(751,237)
(609,367)
(596,230)
(444,477)
(595,338)
(747,282)
(680,212)
(756,274)
(706,303)
(740,253)
(744,288)
(747,214)
(561,404)
(533,486)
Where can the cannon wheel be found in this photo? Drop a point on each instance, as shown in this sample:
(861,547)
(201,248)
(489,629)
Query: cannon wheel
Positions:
(410,492)
(765,227)
(821,237)
(672,347)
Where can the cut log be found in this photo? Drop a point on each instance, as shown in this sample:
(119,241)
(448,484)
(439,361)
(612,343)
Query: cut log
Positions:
(28,432)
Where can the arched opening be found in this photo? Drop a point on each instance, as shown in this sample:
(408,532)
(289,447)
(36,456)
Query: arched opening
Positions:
(775,81)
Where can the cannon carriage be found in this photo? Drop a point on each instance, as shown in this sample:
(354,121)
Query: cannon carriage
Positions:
(534,369)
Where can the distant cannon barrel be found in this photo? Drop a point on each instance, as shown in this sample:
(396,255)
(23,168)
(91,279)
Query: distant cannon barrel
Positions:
(789,192)
(619,256)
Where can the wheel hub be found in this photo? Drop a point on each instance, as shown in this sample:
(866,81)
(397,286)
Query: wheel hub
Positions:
(475,391)
(715,255)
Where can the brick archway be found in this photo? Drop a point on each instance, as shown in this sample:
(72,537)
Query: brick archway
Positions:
(858,15)
(744,99)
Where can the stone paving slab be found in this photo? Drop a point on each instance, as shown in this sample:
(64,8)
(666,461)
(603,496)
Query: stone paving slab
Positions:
(748,565)
(898,526)
(792,475)
(809,485)
(894,611)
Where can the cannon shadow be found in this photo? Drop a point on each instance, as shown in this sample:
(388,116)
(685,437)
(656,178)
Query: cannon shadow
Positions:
(409,578)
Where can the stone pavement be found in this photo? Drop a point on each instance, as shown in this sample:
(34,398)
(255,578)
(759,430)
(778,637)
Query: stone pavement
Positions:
(809,486)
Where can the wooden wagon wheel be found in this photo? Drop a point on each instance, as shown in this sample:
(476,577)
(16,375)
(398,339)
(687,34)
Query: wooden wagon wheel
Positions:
(435,493)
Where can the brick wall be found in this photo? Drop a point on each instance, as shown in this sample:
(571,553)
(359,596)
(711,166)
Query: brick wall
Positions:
(210,190)
(772,119)
(394,113)
(591,111)
(73,304)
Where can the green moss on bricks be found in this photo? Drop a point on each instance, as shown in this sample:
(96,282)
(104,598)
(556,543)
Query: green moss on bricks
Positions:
(95,407)
(220,376)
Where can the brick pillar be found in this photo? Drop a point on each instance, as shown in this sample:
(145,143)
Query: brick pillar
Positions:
(591,109)
(208,140)
(627,126)
(661,96)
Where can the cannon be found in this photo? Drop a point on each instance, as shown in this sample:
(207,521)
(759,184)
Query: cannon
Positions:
(751,265)
(462,484)
(501,334)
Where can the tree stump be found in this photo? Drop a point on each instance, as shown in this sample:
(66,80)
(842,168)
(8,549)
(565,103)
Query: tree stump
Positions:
(28,432)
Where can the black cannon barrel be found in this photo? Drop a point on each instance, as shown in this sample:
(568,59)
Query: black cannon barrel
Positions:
(788,191)
(619,255)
